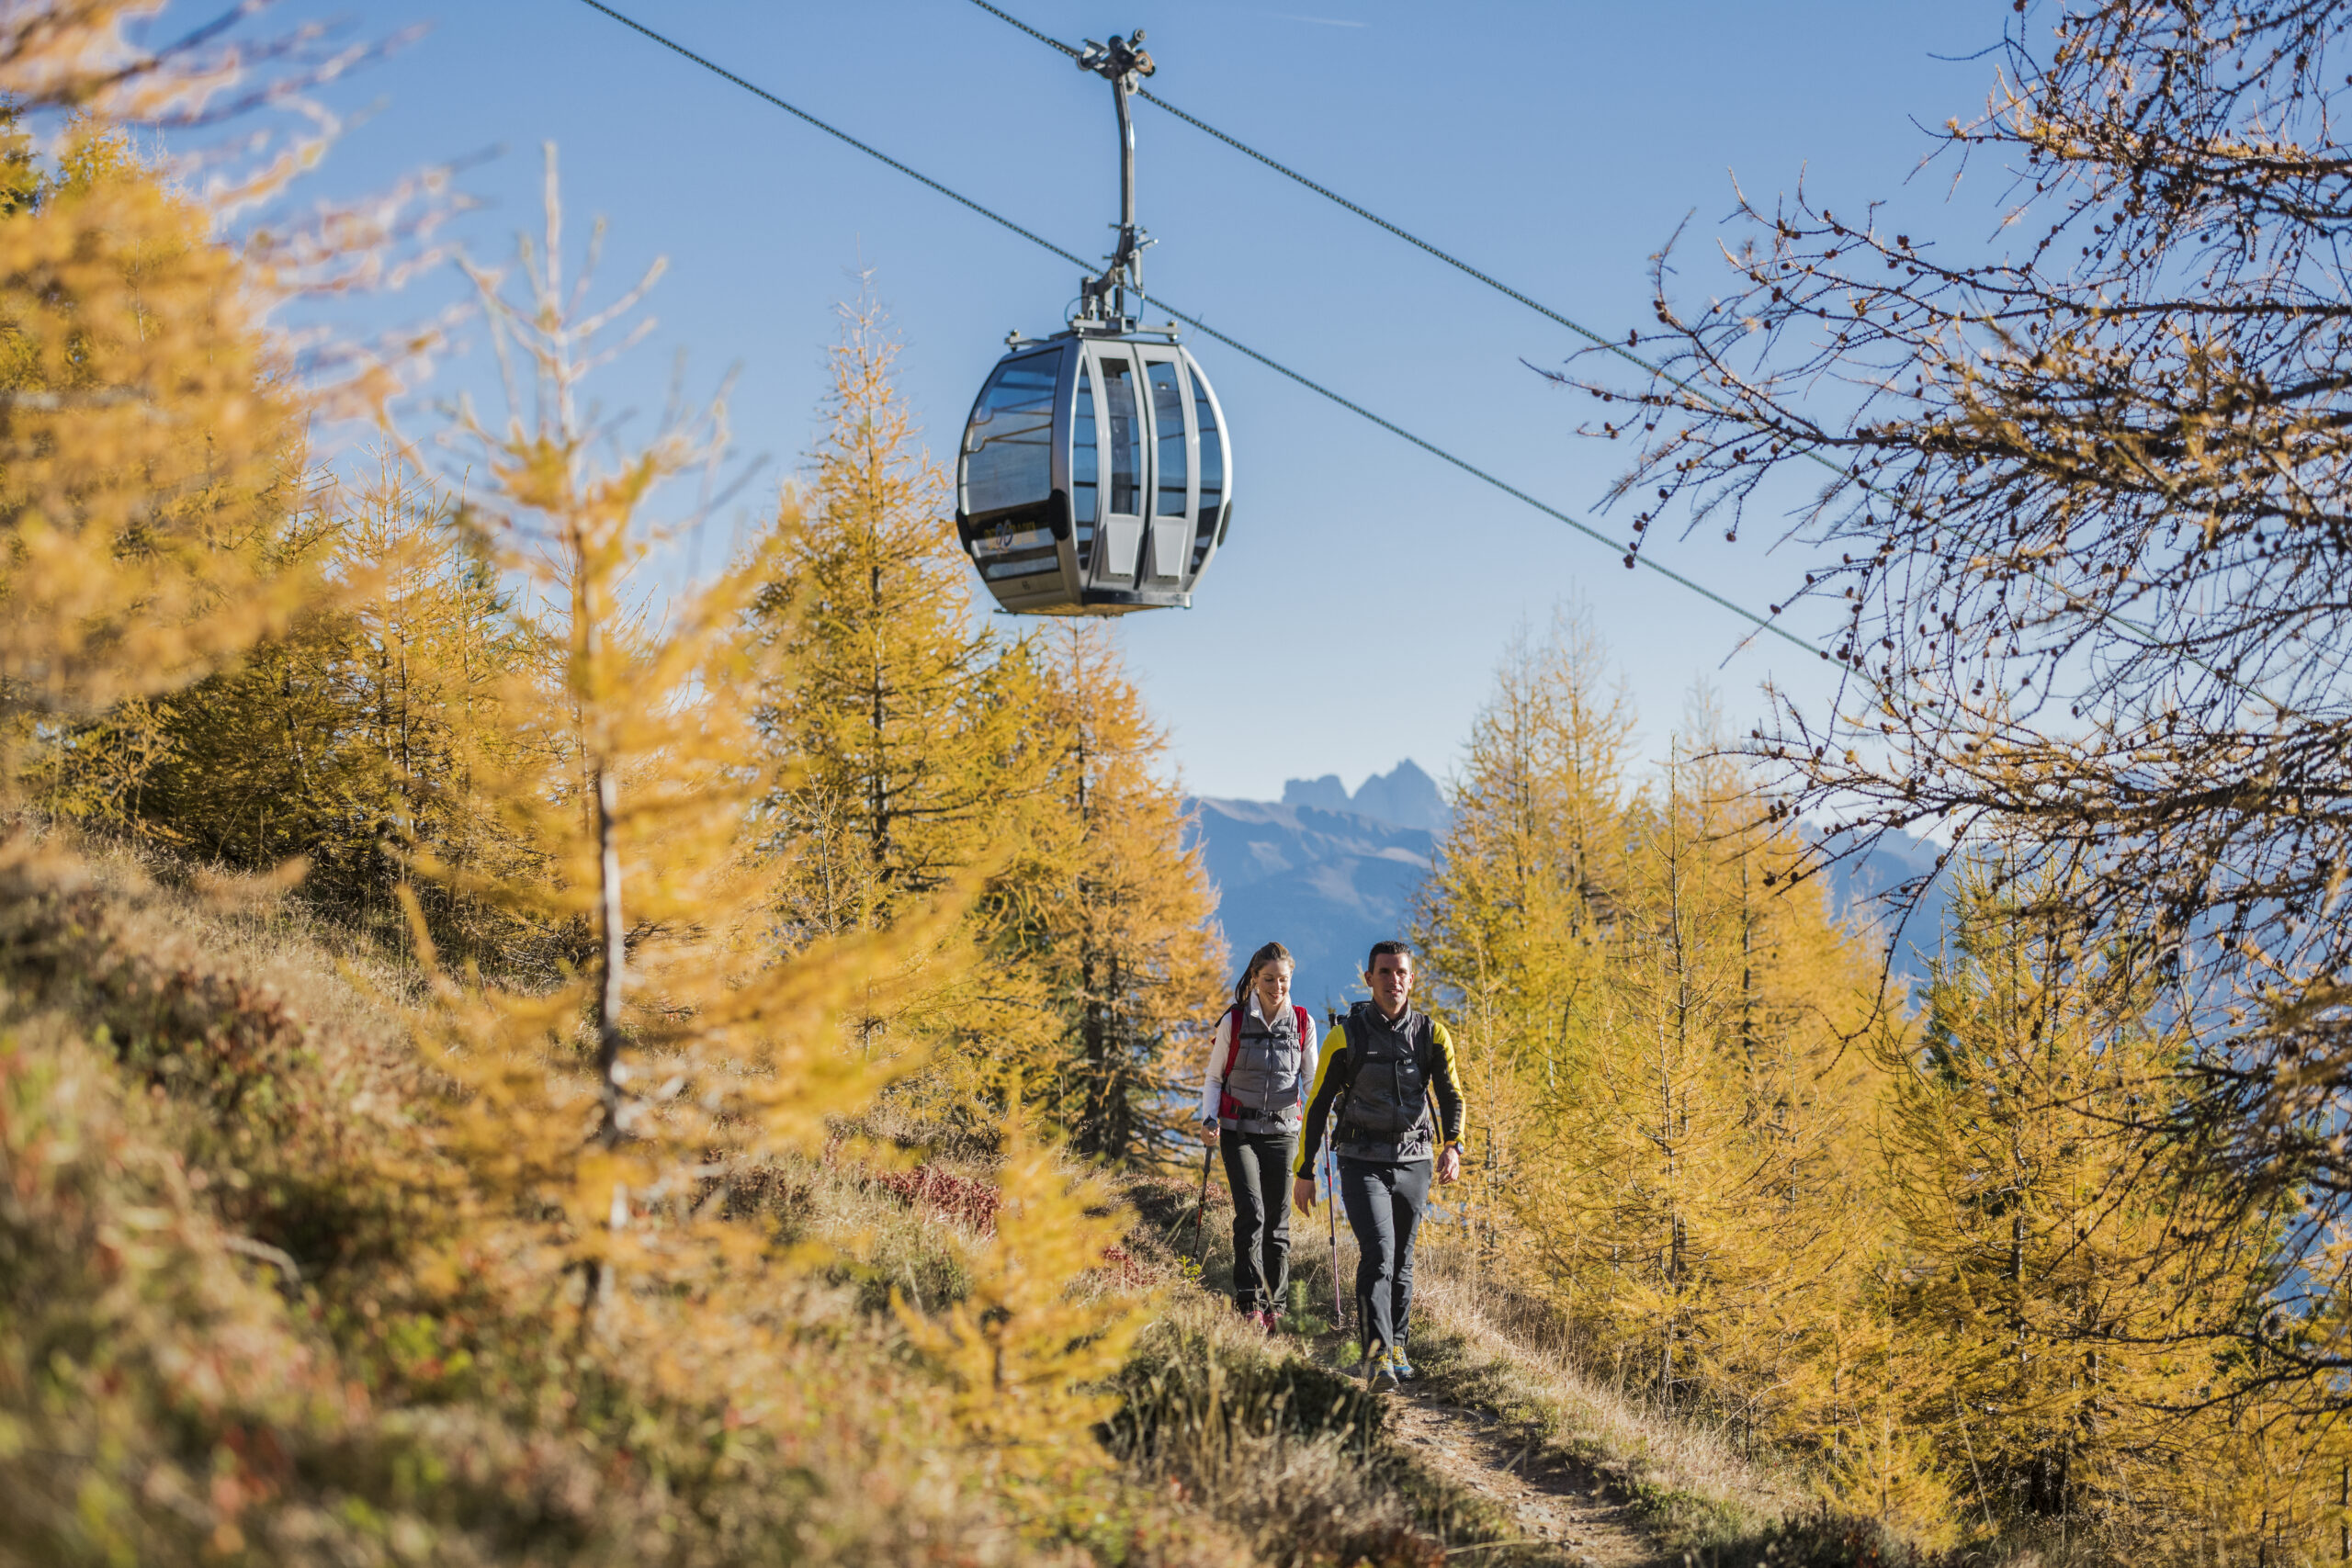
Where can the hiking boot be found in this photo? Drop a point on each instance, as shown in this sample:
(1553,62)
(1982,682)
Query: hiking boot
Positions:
(1270,1321)
(1402,1368)
(1378,1375)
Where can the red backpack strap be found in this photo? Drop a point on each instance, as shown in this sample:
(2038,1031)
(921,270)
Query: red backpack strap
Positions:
(1232,1037)
(1305,1041)
(1227,1108)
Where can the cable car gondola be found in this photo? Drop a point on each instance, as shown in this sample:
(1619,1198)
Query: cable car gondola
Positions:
(1094,476)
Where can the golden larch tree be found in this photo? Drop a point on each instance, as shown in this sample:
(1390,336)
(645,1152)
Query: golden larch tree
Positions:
(679,1032)
(899,737)
(1118,914)
(1512,919)
(147,443)
(2049,1269)
(608,1120)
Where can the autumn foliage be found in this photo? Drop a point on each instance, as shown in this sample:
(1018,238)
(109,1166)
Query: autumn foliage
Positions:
(1915,1242)
(534,1234)
(512,1052)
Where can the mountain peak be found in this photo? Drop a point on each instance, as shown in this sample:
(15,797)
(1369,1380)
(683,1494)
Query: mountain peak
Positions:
(1405,797)
(1326,884)
(1326,794)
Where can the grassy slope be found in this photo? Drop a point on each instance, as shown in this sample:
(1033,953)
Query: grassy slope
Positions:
(240,1320)
(1700,1496)
(243,1319)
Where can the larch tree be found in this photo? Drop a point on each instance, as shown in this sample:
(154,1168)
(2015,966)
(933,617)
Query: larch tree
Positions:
(433,642)
(2084,494)
(2040,1278)
(610,1120)
(899,734)
(1512,922)
(1118,914)
(347,740)
(678,1037)
(1033,1349)
(1702,1196)
(149,445)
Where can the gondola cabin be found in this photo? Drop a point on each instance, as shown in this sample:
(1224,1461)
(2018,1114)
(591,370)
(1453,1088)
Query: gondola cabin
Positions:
(1094,477)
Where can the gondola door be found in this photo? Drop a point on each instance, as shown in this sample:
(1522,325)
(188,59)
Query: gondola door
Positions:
(1174,445)
(1123,462)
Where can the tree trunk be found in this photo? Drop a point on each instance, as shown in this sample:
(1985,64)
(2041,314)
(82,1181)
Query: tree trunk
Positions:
(614,942)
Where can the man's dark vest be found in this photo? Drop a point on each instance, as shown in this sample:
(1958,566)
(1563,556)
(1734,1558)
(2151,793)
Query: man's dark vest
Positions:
(1265,1070)
(1384,1112)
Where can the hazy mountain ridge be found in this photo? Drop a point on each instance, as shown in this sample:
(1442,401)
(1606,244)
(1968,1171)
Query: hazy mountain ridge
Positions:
(1863,892)
(1326,884)
(1328,873)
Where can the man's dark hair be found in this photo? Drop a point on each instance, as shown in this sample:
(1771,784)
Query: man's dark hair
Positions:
(1381,949)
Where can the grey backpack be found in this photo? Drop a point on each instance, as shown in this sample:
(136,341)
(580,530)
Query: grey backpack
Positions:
(1266,1070)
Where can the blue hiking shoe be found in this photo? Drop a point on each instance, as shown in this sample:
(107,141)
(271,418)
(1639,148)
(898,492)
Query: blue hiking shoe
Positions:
(1401,1368)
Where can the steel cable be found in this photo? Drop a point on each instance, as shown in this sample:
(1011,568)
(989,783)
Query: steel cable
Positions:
(1375,218)
(2138,631)
(1761,622)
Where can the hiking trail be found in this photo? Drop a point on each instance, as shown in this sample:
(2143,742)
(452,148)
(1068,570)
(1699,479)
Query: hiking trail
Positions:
(1563,1506)
(1551,1509)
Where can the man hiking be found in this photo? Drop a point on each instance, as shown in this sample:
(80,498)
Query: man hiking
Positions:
(1380,1068)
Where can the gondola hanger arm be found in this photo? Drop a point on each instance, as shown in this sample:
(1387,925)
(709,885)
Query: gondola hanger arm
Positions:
(1124,63)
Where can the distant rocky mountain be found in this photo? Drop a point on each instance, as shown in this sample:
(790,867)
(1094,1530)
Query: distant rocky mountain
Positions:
(1324,883)
(1404,797)
(1328,873)
(1863,888)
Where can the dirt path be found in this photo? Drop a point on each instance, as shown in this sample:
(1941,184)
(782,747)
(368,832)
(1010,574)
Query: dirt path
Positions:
(1563,1506)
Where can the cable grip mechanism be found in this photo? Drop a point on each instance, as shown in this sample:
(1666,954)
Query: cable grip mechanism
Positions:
(1102,301)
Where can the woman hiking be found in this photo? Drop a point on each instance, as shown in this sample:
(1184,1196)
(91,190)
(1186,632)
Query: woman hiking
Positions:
(1381,1068)
(1261,1059)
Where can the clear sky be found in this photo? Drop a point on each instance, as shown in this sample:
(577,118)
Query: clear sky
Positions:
(1357,611)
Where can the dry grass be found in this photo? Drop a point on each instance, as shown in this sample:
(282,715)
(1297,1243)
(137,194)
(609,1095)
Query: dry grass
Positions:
(341,984)
(241,1322)
(1490,1348)
(400,1428)
(1703,1495)
(1530,1360)
(1279,1449)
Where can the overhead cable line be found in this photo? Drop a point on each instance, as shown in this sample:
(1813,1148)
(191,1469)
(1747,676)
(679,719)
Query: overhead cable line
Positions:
(2143,634)
(1327,193)
(1760,622)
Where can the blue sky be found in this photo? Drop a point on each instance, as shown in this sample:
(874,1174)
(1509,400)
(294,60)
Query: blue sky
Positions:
(1356,614)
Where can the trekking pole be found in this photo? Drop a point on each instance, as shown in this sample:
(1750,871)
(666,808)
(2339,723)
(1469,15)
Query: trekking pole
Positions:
(1331,1193)
(1201,1209)
(1332,1202)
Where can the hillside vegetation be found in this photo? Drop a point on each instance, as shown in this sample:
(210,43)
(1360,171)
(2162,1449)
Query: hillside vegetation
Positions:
(1916,1247)
(500,1065)
(244,1320)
